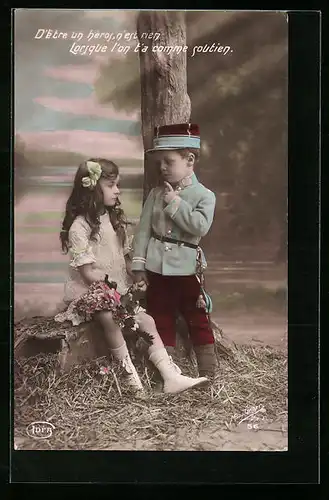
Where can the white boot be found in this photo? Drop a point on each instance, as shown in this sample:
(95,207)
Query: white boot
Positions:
(132,377)
(170,351)
(174,381)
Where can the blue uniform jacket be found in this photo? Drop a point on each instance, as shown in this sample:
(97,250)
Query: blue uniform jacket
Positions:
(187,217)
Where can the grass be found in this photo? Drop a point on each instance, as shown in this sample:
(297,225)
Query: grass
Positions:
(131,202)
(242,299)
(35,217)
(37,229)
(65,158)
(94,411)
(129,163)
(258,297)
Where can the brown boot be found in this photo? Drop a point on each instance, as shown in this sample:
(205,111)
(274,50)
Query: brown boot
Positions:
(171,350)
(206,359)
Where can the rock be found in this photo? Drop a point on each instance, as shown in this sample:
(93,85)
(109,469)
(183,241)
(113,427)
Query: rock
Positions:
(86,341)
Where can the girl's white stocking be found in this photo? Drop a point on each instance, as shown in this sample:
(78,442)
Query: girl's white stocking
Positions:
(132,377)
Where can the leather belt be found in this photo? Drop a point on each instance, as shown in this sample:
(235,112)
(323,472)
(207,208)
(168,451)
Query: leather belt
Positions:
(171,240)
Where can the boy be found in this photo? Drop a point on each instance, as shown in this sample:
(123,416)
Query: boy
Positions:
(174,218)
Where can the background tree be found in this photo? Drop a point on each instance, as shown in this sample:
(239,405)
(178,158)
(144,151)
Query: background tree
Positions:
(163,77)
(242,111)
(240,103)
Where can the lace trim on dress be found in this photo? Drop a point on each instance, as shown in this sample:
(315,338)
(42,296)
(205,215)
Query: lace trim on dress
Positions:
(100,297)
(82,257)
(70,315)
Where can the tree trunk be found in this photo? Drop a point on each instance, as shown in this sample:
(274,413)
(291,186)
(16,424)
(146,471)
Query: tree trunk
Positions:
(164,98)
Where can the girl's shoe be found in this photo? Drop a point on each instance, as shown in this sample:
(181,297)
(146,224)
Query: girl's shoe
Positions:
(131,375)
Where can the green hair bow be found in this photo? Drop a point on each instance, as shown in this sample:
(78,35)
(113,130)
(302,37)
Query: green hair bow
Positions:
(95,171)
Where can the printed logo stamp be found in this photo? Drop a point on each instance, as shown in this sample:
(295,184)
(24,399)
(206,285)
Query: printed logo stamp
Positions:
(40,430)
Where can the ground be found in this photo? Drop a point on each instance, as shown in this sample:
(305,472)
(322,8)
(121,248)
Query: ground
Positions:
(249,306)
(229,417)
(261,328)
(272,438)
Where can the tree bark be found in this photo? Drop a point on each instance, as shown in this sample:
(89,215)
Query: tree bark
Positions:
(164,97)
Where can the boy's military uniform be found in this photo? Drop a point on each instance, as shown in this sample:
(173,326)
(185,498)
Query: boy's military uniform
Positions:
(166,246)
(185,219)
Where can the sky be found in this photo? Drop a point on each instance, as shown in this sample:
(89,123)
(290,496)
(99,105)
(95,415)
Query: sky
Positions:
(55,103)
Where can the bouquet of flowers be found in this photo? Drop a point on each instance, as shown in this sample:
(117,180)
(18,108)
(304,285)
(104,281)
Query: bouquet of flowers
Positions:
(103,296)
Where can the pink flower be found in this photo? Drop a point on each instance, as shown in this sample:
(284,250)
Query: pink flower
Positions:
(111,292)
(104,370)
(117,297)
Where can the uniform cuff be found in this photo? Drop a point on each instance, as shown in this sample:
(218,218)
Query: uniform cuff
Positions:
(138,264)
(173,206)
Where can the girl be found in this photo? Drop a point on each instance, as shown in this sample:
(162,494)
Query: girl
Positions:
(94,233)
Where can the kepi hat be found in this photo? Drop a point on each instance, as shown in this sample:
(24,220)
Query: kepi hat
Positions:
(177,136)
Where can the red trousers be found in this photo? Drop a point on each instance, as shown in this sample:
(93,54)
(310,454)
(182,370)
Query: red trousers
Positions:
(165,296)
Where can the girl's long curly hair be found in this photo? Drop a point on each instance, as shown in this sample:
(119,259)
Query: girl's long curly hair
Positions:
(89,203)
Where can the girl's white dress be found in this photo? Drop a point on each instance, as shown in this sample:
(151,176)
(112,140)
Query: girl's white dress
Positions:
(106,254)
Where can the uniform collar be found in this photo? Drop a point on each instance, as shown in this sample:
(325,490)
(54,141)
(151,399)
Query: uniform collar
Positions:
(189,180)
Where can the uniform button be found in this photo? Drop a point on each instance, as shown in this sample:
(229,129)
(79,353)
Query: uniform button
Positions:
(169,231)
(166,249)
(179,188)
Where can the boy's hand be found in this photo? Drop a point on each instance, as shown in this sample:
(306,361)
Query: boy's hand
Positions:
(140,278)
(170,193)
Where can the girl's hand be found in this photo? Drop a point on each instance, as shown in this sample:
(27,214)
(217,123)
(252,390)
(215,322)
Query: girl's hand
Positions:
(88,274)
(128,268)
(170,194)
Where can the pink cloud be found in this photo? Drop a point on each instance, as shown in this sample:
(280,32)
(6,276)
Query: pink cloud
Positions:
(84,73)
(88,106)
(89,143)
(119,15)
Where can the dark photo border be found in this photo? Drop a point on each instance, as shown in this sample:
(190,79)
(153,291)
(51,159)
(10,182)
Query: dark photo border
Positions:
(300,463)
